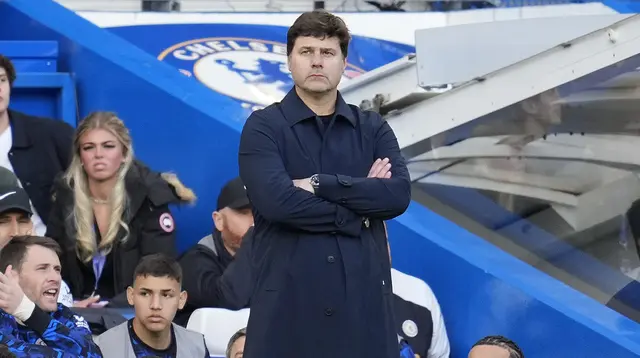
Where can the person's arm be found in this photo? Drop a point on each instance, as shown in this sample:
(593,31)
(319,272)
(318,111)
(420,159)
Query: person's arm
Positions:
(74,338)
(24,349)
(208,286)
(236,284)
(379,198)
(200,276)
(272,192)
(158,233)
(440,347)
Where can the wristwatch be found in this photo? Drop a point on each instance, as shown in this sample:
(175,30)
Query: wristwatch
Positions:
(314,181)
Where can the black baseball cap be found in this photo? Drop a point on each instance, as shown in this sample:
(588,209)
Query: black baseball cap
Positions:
(233,195)
(12,196)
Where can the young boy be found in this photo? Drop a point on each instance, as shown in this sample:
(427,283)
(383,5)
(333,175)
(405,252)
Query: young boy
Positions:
(156,296)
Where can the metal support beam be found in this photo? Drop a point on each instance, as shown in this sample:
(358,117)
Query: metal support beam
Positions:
(551,196)
(601,204)
(612,152)
(515,83)
(395,84)
(583,194)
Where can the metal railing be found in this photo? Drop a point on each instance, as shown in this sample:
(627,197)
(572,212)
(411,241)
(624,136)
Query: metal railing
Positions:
(299,5)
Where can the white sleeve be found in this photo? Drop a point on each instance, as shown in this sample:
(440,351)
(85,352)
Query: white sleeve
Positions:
(439,340)
(64,296)
(415,290)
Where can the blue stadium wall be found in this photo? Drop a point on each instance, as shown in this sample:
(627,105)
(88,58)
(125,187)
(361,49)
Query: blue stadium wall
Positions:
(180,125)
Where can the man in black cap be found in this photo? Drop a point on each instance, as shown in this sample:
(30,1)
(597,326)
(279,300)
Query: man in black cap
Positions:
(15,219)
(15,208)
(204,264)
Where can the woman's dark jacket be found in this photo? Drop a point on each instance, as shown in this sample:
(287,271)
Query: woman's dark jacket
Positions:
(151,230)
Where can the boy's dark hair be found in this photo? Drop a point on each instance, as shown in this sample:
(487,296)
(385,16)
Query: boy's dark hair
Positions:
(158,265)
(320,24)
(6,63)
(504,342)
(15,251)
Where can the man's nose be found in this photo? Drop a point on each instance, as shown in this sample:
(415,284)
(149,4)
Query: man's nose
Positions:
(155,303)
(54,276)
(316,60)
(14,228)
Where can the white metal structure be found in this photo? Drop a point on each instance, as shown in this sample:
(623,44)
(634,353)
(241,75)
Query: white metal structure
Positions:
(239,5)
(390,87)
(586,178)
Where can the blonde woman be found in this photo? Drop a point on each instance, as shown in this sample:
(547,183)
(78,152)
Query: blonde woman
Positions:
(109,211)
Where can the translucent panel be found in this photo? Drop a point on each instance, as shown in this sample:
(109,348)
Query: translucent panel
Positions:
(550,179)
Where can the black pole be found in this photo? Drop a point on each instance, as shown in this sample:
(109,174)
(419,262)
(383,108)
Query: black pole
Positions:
(318,5)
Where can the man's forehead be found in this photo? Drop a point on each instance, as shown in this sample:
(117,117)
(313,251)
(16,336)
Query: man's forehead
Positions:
(38,255)
(317,42)
(156,283)
(3,72)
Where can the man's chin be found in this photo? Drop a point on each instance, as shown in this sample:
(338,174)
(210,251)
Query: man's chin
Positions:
(48,304)
(317,88)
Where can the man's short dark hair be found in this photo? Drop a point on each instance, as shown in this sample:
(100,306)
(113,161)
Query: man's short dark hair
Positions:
(158,265)
(320,24)
(6,63)
(504,342)
(15,251)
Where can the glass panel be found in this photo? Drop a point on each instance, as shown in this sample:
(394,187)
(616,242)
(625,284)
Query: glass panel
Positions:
(551,179)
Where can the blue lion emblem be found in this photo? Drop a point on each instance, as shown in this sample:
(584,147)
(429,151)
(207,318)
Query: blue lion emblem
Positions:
(265,71)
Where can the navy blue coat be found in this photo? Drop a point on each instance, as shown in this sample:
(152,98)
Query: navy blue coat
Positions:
(323,281)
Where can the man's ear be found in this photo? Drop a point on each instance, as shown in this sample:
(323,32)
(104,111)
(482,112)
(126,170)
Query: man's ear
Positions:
(130,295)
(218,220)
(183,299)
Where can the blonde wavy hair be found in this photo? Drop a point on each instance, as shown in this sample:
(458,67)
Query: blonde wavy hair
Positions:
(76,178)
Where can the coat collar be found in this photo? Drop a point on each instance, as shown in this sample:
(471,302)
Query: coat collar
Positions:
(295,110)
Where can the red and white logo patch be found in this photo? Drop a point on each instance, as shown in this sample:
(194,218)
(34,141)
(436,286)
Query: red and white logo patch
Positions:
(166,222)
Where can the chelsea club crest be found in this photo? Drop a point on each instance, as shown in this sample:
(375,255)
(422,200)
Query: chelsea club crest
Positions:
(252,71)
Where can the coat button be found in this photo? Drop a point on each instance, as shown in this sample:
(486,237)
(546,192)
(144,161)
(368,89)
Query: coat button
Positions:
(340,221)
(27,183)
(333,233)
(331,259)
(328,312)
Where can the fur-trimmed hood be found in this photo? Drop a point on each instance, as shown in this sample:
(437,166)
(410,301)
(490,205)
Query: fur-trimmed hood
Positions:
(160,188)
